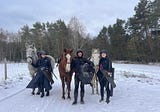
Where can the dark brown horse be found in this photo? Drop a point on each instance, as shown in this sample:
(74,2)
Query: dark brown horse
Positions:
(65,71)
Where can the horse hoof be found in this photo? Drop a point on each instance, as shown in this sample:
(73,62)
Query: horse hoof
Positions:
(38,93)
(33,93)
(69,97)
(42,95)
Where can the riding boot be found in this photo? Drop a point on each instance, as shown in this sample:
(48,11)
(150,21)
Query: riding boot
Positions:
(38,92)
(82,97)
(107,100)
(75,98)
(42,95)
(101,99)
(33,93)
(47,93)
(102,95)
(75,102)
(82,101)
(107,93)
(76,90)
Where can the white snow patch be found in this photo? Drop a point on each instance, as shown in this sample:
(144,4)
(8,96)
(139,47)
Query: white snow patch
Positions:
(138,89)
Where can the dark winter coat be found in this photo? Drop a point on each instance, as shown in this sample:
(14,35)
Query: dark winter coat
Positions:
(104,64)
(83,68)
(43,64)
(77,62)
(40,80)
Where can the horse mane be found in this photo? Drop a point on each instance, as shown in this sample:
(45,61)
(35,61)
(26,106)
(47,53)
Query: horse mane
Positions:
(95,56)
(52,61)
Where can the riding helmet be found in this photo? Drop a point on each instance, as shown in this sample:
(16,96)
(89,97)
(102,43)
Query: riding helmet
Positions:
(42,52)
(103,51)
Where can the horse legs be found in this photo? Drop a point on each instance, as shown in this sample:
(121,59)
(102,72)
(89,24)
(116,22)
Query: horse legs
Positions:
(63,87)
(92,88)
(96,84)
(33,91)
(69,86)
(93,84)
(32,75)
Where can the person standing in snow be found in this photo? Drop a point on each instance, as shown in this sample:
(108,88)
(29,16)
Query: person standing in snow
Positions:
(104,64)
(43,78)
(76,66)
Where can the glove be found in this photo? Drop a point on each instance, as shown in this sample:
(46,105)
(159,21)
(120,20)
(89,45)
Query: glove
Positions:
(110,74)
(42,68)
(29,60)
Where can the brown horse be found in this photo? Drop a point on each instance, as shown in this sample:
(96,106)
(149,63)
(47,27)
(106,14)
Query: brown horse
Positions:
(65,71)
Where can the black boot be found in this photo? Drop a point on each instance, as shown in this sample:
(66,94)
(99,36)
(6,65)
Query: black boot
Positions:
(38,92)
(75,96)
(47,94)
(75,102)
(82,93)
(101,100)
(42,95)
(107,100)
(82,101)
(33,93)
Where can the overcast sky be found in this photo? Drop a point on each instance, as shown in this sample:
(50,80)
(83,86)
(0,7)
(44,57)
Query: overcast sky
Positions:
(93,14)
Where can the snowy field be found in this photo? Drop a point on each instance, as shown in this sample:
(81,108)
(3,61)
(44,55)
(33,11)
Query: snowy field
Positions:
(138,90)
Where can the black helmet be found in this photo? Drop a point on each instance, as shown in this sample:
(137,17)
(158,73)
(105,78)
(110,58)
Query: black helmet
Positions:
(79,50)
(103,51)
(42,52)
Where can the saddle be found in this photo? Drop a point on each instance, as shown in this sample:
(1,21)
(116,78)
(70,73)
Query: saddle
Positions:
(86,73)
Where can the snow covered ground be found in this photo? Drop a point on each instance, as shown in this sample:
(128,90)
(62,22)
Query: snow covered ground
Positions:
(138,90)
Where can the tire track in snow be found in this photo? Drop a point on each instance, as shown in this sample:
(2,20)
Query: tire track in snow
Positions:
(10,96)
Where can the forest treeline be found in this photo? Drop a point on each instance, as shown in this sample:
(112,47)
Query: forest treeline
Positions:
(134,39)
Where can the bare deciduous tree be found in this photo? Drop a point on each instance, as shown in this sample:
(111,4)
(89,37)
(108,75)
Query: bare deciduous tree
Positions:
(77,33)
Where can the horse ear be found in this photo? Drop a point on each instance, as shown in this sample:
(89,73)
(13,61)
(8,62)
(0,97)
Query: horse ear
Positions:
(26,44)
(65,50)
(71,50)
(33,44)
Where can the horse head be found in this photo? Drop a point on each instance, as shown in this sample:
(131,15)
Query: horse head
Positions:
(67,58)
(95,56)
(31,53)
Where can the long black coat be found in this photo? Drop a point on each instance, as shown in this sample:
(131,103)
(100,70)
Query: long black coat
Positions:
(40,80)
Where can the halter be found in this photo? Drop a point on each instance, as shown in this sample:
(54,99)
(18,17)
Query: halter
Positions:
(30,54)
